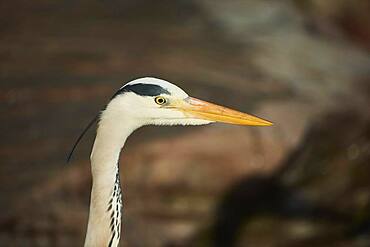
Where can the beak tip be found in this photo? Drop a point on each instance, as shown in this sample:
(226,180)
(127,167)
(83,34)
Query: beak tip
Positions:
(269,123)
(263,122)
(266,124)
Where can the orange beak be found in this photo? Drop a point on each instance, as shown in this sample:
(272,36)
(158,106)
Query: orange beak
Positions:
(200,109)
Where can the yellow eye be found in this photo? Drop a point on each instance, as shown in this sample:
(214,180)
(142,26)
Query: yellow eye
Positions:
(160,100)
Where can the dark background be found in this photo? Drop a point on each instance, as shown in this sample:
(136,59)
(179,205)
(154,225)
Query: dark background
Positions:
(304,65)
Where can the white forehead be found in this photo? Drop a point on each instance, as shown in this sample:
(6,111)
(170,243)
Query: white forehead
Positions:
(172,88)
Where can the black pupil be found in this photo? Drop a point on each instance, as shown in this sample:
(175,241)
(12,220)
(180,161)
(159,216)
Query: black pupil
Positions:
(160,100)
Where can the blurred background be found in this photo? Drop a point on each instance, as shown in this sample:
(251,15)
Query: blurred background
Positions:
(304,64)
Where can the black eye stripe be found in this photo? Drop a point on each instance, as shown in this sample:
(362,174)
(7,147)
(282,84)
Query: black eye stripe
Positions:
(143,90)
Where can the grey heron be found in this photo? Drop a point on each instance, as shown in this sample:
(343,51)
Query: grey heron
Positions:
(144,101)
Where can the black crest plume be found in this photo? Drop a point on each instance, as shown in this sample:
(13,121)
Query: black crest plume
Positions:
(81,135)
(139,89)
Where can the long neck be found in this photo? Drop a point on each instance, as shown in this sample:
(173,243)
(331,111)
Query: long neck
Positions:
(104,224)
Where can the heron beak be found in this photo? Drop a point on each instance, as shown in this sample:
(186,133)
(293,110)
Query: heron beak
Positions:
(200,109)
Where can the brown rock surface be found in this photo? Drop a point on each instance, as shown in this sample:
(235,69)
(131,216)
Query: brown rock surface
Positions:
(301,182)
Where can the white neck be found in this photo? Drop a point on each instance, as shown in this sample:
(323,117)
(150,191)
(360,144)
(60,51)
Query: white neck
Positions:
(104,224)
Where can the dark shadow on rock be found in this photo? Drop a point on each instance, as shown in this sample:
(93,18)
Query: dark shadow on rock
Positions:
(333,150)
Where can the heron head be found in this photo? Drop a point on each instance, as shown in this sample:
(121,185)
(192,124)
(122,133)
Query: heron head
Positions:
(152,101)
(159,102)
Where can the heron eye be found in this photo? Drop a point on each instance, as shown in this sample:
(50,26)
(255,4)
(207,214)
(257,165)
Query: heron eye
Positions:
(160,100)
